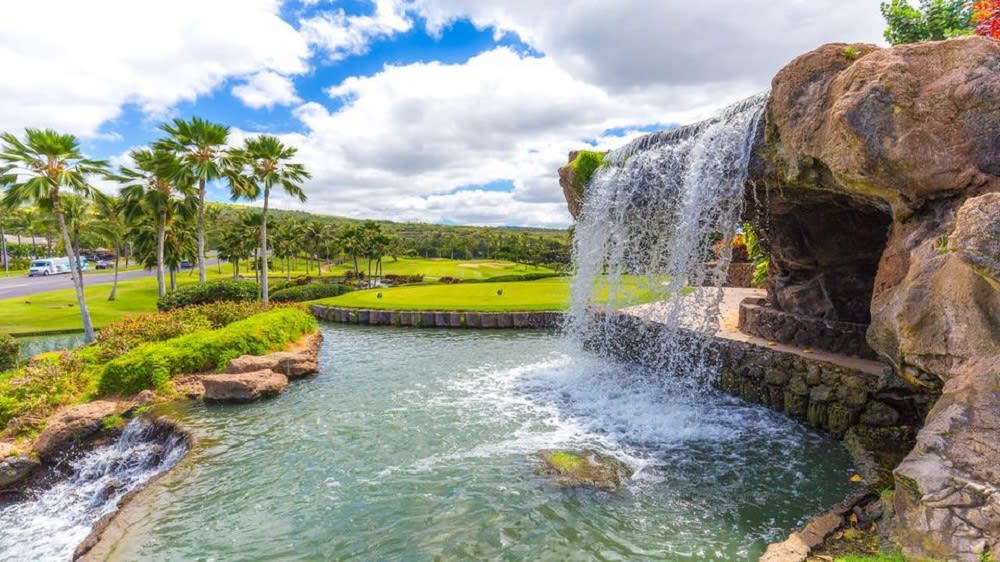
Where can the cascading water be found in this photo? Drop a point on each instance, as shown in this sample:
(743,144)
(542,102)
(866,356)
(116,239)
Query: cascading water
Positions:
(50,525)
(649,220)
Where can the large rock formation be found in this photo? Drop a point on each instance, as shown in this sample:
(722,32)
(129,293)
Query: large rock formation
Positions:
(876,186)
(906,143)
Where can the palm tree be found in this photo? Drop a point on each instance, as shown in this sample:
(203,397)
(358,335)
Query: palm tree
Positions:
(111,228)
(264,163)
(36,169)
(200,146)
(153,188)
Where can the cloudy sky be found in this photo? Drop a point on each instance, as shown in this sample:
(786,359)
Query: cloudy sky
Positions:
(450,111)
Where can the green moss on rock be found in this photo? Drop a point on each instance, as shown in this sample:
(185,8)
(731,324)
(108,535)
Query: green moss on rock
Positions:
(586,163)
(584,468)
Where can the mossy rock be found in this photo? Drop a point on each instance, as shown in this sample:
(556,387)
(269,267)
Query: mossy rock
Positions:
(584,468)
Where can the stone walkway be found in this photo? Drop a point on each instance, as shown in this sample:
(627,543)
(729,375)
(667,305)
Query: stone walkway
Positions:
(691,315)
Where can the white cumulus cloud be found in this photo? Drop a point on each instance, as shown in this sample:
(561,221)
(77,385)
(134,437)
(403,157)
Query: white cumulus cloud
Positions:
(265,90)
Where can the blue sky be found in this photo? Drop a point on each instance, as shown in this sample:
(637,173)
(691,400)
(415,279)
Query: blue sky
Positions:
(452,111)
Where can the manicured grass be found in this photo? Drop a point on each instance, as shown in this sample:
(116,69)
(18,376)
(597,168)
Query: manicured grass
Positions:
(522,296)
(434,269)
(57,311)
(545,294)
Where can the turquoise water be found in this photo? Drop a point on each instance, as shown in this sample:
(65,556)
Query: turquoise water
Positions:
(33,345)
(418,445)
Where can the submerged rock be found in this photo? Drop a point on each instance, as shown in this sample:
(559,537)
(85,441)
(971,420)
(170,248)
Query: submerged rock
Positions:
(243,387)
(584,468)
(14,465)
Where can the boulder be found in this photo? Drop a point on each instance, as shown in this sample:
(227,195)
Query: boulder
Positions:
(72,426)
(292,365)
(976,238)
(243,387)
(295,364)
(584,468)
(14,465)
(947,495)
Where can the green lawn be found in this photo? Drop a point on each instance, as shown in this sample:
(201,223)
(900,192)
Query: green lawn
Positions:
(434,269)
(545,294)
(53,311)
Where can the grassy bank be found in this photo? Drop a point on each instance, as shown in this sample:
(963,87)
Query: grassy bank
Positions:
(551,294)
(140,352)
(56,311)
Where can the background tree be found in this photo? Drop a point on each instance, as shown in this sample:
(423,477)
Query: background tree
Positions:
(200,146)
(36,170)
(152,189)
(264,163)
(110,228)
(934,20)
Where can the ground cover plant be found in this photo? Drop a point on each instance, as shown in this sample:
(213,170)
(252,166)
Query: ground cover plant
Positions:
(151,366)
(28,395)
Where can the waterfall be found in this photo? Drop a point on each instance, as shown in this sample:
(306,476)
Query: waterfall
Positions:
(649,220)
(50,525)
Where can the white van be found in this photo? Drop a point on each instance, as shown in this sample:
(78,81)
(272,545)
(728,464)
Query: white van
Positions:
(49,266)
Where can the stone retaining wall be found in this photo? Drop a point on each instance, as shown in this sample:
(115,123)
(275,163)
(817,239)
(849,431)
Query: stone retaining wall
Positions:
(826,396)
(439,319)
(847,338)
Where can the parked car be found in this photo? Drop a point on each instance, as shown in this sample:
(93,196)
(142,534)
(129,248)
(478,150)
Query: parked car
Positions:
(48,266)
(104,264)
(186,265)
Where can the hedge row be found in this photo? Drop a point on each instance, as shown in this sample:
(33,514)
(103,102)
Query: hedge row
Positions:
(515,277)
(302,293)
(153,365)
(227,290)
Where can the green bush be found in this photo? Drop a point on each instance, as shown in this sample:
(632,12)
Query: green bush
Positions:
(132,331)
(515,278)
(153,365)
(228,290)
(933,20)
(310,292)
(10,352)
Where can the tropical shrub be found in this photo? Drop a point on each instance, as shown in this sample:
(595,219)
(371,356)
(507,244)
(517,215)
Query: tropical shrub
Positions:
(395,279)
(214,291)
(757,255)
(986,16)
(153,365)
(934,20)
(132,331)
(30,394)
(10,352)
(310,292)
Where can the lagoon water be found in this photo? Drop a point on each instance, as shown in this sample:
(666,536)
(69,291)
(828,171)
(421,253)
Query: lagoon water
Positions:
(418,445)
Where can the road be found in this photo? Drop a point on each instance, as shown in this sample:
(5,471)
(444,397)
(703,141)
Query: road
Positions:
(23,285)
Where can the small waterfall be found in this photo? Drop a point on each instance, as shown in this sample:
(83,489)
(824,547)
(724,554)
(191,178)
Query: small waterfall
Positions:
(650,218)
(50,525)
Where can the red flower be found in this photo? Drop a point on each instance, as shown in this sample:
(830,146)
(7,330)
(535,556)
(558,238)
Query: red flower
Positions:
(986,15)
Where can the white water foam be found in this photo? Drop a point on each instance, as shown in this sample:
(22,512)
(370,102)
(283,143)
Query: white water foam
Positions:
(649,219)
(52,524)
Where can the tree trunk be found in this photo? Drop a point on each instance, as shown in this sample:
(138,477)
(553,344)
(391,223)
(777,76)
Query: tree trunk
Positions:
(202,277)
(74,270)
(288,273)
(236,269)
(114,282)
(173,280)
(263,248)
(161,237)
(3,249)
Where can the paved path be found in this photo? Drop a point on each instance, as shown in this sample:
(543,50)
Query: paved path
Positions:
(23,285)
(691,315)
